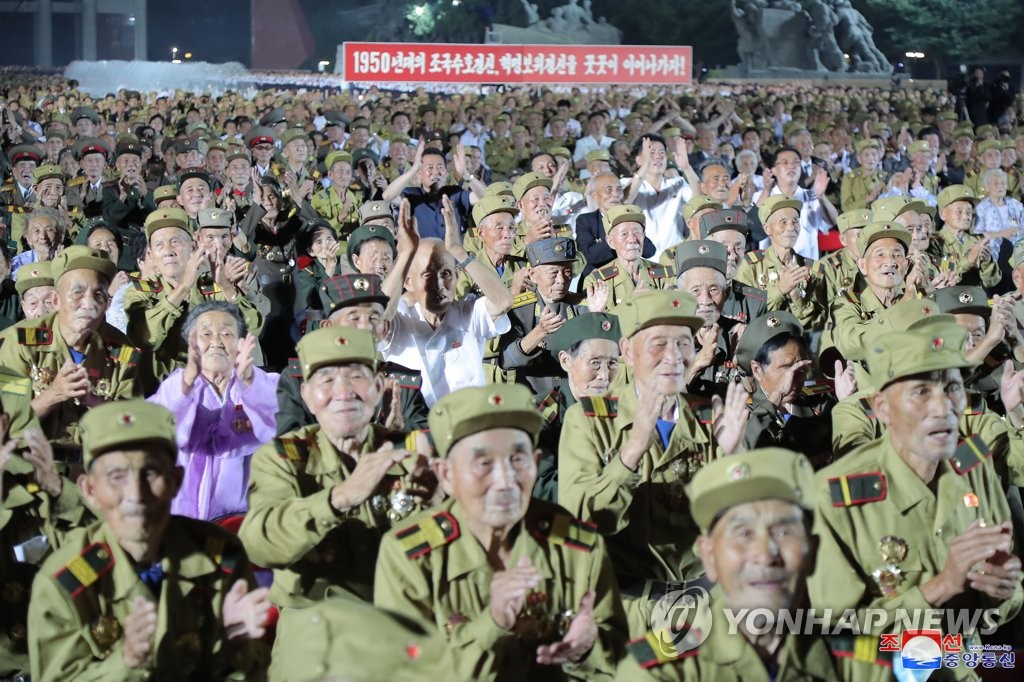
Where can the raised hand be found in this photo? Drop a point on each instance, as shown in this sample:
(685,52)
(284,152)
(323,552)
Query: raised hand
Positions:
(578,640)
(508,592)
(730,418)
(139,632)
(245,611)
(244,359)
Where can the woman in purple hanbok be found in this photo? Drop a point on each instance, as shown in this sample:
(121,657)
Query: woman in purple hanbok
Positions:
(224,407)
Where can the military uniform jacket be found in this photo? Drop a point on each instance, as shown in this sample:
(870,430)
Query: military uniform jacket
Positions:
(84,592)
(28,514)
(839,273)
(986,274)
(851,323)
(725,657)
(552,408)
(37,349)
(293,414)
(714,379)
(539,369)
(871,494)
(644,514)
(743,303)
(807,428)
(651,275)
(78,196)
(292,528)
(763,268)
(330,206)
(434,568)
(156,323)
(856,186)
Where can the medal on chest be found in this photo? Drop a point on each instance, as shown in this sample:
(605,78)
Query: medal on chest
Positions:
(889,575)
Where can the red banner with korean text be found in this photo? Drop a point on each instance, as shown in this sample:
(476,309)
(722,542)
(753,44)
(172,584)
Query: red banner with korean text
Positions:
(467,63)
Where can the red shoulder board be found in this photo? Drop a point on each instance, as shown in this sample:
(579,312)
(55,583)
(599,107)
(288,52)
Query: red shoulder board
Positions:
(564,529)
(548,407)
(85,569)
(125,355)
(600,407)
(35,336)
(294,368)
(661,271)
(754,257)
(294,449)
(970,453)
(429,534)
(853,489)
(146,286)
(657,648)
(606,273)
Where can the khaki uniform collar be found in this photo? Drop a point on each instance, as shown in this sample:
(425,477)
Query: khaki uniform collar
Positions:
(466,555)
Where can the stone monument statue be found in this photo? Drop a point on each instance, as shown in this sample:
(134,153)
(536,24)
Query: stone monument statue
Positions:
(783,36)
(569,24)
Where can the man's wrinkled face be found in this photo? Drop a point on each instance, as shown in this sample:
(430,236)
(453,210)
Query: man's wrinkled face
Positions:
(536,205)
(498,233)
(659,357)
(375,257)
(23,171)
(759,554)
(194,195)
(592,368)
(128,166)
(958,216)
(783,227)
(491,475)
(366,316)
(93,165)
(627,240)
(715,183)
(216,161)
(923,413)
(773,374)
(263,153)
(975,326)
(735,243)
(545,165)
(707,285)
(171,247)
(131,490)
(431,279)
(104,240)
(82,300)
(296,151)
(884,264)
(214,239)
(607,192)
(38,301)
(552,280)
(239,171)
(343,398)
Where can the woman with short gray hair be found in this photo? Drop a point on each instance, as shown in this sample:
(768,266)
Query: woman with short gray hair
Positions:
(998,216)
(225,407)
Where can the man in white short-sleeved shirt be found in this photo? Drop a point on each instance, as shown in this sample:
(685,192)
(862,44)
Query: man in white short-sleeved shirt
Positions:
(437,335)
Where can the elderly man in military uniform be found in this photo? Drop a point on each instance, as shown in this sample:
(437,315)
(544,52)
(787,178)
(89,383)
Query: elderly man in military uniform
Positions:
(625,225)
(38,507)
(142,593)
(522,588)
(785,411)
(534,198)
(862,185)
(18,192)
(755,511)
(925,270)
(605,191)
(968,254)
(337,204)
(918,519)
(378,213)
(838,270)
(321,497)
(883,262)
(587,349)
(157,309)
(355,301)
(624,461)
(75,360)
(784,274)
(91,193)
(536,315)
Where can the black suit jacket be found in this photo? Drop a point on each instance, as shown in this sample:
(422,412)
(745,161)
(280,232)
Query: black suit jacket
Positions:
(590,239)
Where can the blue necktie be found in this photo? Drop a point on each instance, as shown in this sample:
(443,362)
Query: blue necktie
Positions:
(665,431)
(152,577)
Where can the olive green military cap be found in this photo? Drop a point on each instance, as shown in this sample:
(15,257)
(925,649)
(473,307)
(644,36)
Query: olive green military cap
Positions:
(650,308)
(671,133)
(489,205)
(962,300)
(1018,253)
(886,210)
(919,146)
(164,192)
(82,258)
(471,410)
(856,218)
(125,424)
(986,129)
(194,174)
(361,154)
(31,275)
(560,152)
(48,171)
(988,145)
(527,182)
(236,152)
(218,144)
(518,129)
(870,143)
(963,130)
(365,233)
(583,327)
(763,329)
(928,348)
(955,193)
(763,474)
(599,155)
(84,112)
(166,217)
(550,251)
(324,640)
(336,346)
(876,231)
(777,202)
(702,253)
(699,202)
(623,213)
(948,116)
(342,291)
(498,188)
(216,218)
(372,210)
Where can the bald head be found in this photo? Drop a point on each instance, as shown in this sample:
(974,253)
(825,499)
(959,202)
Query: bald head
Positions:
(607,191)
(431,278)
